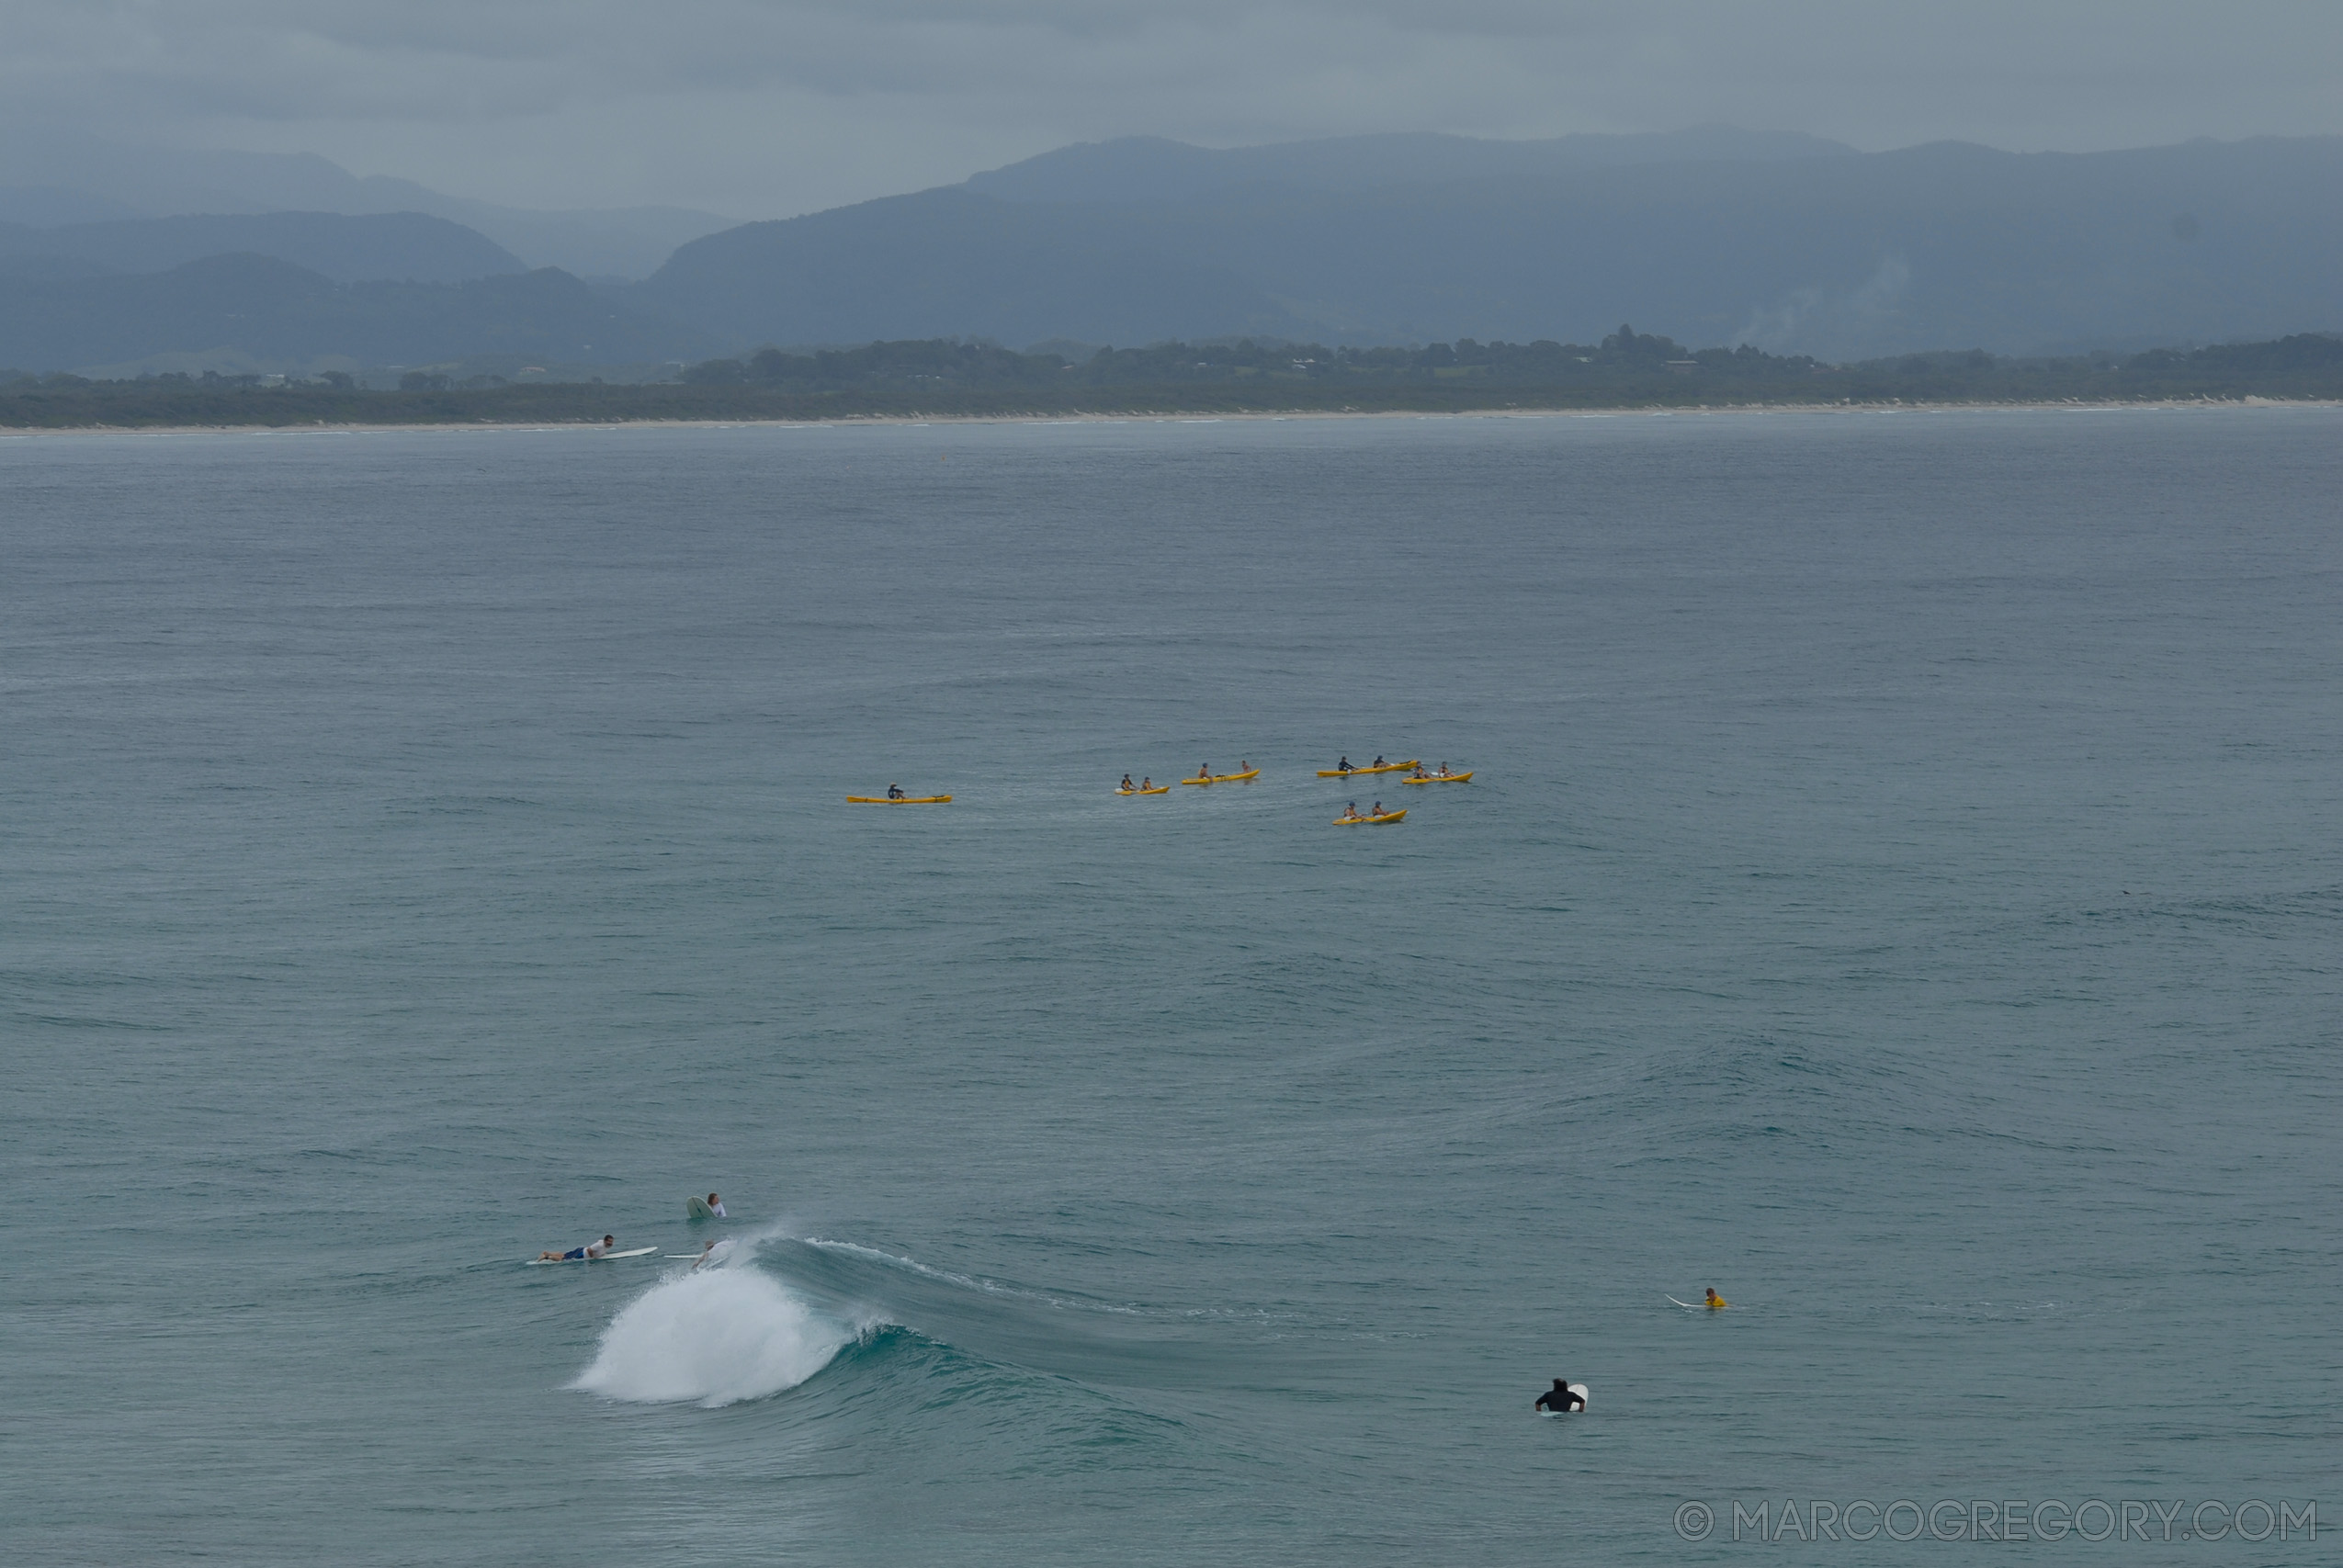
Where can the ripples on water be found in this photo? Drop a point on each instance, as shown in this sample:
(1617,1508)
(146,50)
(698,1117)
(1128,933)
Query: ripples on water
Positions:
(1901,890)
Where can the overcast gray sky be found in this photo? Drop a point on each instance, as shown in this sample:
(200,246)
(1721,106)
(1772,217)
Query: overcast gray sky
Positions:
(767,108)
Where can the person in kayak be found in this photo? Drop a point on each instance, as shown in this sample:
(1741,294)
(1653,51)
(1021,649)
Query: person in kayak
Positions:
(1378,809)
(1352,811)
(1243,767)
(1420,774)
(586,1254)
(1380,762)
(894,791)
(1204,769)
(1344,765)
(1127,785)
(1146,785)
(1715,1301)
(1443,770)
(1560,1398)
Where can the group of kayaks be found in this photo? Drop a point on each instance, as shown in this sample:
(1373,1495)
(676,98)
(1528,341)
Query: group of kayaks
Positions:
(1247,773)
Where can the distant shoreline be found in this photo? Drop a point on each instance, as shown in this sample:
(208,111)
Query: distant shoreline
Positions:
(1186,416)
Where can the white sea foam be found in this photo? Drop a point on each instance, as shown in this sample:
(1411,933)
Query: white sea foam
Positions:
(712,1337)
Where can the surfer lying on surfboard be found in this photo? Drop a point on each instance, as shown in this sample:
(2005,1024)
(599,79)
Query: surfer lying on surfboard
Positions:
(586,1254)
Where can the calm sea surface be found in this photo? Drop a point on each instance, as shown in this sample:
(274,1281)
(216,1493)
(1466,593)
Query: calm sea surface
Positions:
(1902,889)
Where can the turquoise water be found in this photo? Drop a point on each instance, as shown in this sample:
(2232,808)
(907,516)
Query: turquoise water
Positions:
(1901,890)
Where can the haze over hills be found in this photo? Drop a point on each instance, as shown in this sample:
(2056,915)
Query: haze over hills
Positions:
(50,177)
(259,312)
(391,246)
(1796,248)
(1713,236)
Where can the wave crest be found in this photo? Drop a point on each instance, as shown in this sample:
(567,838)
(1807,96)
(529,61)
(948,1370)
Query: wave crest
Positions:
(714,1337)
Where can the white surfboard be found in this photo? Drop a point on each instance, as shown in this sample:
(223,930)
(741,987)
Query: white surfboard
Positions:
(1581,1389)
(1694,1307)
(606,1258)
(697,1209)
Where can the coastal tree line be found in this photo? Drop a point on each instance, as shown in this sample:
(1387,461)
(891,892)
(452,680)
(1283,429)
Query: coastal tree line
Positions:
(949,377)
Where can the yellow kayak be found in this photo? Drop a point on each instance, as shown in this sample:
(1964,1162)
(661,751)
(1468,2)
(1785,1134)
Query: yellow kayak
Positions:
(906,800)
(1159,789)
(1440,778)
(1226,778)
(1354,772)
(1366,821)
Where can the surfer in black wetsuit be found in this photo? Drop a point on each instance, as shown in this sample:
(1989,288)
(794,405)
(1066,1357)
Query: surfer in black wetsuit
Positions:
(1559,1399)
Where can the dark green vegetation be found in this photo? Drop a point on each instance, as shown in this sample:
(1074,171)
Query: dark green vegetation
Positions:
(943,379)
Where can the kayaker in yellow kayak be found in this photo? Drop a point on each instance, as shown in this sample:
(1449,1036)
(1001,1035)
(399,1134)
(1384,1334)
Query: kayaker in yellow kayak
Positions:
(1420,774)
(1715,1301)
(1378,809)
(1127,785)
(894,791)
(1344,765)
(1146,785)
(1381,764)
(1352,810)
(1204,769)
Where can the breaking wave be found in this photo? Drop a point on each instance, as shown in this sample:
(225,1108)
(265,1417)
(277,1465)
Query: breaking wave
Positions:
(713,1338)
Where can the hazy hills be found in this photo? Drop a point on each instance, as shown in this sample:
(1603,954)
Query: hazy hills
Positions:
(1798,247)
(1713,236)
(249,309)
(50,177)
(406,246)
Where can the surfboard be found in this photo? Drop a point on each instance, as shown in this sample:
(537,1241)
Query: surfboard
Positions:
(1581,1389)
(697,1209)
(1693,1307)
(606,1258)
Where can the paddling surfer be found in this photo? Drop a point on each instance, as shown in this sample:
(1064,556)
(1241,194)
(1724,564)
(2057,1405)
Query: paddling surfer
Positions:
(586,1254)
(1561,1398)
(1715,1301)
(713,1252)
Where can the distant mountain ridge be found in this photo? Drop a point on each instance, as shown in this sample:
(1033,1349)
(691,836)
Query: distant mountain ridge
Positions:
(389,247)
(1132,170)
(1798,247)
(49,177)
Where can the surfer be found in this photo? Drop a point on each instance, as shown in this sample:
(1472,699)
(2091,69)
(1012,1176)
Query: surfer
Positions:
(716,1207)
(586,1254)
(1560,1398)
(710,1254)
(894,791)
(1715,1301)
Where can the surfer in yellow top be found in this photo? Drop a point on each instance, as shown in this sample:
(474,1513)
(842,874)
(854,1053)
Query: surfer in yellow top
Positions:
(1715,1301)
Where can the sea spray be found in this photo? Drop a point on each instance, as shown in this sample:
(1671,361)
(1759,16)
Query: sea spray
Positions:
(715,1336)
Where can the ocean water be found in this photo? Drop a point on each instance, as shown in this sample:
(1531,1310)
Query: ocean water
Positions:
(1902,889)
